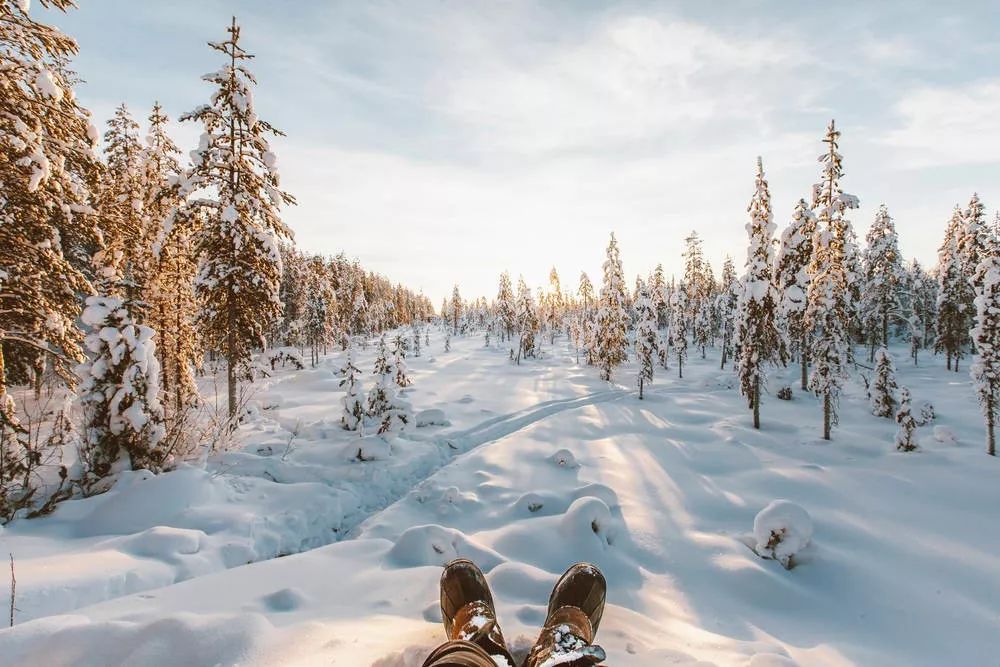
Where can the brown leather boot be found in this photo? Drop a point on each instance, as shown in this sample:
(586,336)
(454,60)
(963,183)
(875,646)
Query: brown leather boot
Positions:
(467,609)
(575,609)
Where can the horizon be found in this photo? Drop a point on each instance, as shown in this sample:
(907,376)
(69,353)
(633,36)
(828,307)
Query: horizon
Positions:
(545,127)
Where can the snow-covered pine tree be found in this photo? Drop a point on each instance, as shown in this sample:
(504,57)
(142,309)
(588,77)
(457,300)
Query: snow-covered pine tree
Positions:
(923,302)
(658,295)
(646,337)
(757,339)
(384,405)
(677,330)
(916,338)
(47,223)
(588,325)
(702,332)
(456,308)
(726,305)
(612,315)
(126,250)
(829,309)
(506,309)
(952,290)
(118,392)
(353,402)
(416,339)
(318,303)
(906,434)
(985,371)
(792,280)
(399,361)
(527,321)
(694,275)
(882,394)
(883,279)
(556,305)
(169,283)
(236,170)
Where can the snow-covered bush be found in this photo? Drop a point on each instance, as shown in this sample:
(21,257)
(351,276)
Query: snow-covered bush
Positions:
(781,530)
(882,394)
(118,392)
(927,414)
(785,393)
(353,401)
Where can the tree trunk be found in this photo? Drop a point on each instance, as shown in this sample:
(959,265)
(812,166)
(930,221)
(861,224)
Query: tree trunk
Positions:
(948,362)
(827,410)
(805,367)
(991,448)
(640,389)
(725,345)
(231,365)
(680,368)
(885,329)
(756,403)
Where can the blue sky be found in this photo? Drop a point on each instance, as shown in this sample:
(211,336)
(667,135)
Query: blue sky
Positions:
(445,141)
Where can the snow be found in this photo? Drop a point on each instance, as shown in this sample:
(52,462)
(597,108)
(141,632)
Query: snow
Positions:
(781,530)
(544,465)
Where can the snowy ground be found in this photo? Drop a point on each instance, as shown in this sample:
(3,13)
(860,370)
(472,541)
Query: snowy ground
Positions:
(904,567)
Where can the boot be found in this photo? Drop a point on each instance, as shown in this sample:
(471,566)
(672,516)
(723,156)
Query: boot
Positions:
(575,609)
(467,609)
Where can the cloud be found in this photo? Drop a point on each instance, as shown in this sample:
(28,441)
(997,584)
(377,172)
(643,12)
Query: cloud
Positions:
(948,125)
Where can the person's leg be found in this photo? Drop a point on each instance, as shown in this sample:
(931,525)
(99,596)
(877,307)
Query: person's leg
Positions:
(575,610)
(468,612)
(459,653)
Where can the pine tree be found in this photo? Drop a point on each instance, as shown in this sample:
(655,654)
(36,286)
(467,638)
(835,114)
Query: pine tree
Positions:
(416,339)
(318,303)
(702,331)
(727,305)
(121,201)
(456,308)
(506,311)
(757,339)
(883,279)
(694,275)
(384,405)
(792,280)
(677,332)
(612,315)
(951,299)
(658,295)
(556,304)
(121,409)
(169,284)
(906,434)
(883,390)
(830,309)
(985,334)
(353,402)
(646,337)
(240,270)
(399,361)
(47,223)
(527,321)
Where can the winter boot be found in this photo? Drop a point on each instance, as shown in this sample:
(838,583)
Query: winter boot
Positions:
(575,609)
(467,609)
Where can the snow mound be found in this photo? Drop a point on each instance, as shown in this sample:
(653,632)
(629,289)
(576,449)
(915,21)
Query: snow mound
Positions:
(564,459)
(586,518)
(436,545)
(164,542)
(781,530)
(370,448)
(432,417)
(945,435)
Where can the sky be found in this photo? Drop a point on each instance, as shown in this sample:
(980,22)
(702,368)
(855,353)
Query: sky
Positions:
(446,141)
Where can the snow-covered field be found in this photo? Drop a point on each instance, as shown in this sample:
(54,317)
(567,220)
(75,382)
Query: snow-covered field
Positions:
(542,465)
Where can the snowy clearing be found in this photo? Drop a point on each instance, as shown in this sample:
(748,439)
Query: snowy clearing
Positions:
(543,465)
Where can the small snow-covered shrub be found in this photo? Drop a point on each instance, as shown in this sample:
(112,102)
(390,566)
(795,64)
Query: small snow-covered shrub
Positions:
(927,414)
(785,393)
(781,530)
(945,435)
(431,417)
(284,357)
(564,459)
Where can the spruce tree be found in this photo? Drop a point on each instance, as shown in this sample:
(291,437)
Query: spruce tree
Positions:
(646,338)
(456,308)
(677,330)
(906,434)
(727,305)
(384,405)
(757,339)
(953,287)
(658,295)
(792,280)
(883,279)
(47,221)
(882,394)
(399,361)
(527,321)
(506,310)
(234,166)
(169,285)
(985,371)
(829,309)
(121,409)
(353,402)
(612,315)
